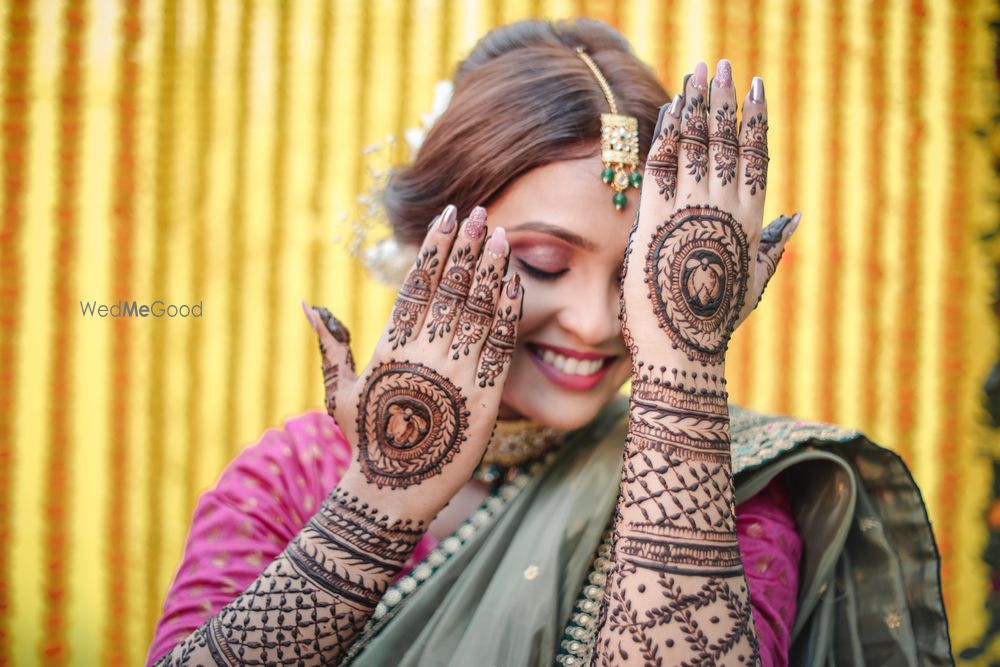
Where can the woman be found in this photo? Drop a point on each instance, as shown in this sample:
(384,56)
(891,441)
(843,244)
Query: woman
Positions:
(578,526)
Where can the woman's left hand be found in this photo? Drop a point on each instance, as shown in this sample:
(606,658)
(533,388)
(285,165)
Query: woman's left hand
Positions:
(698,259)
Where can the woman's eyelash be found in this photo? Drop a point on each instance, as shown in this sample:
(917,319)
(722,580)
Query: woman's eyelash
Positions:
(538,274)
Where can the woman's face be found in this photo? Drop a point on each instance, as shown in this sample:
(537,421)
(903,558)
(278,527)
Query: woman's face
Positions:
(567,243)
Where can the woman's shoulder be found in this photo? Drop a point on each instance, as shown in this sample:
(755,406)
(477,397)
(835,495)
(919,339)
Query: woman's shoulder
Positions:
(759,437)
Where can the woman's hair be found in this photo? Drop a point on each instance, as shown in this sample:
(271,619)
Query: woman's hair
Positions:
(523,98)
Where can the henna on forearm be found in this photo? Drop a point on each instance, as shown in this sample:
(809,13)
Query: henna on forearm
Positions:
(676,594)
(310,603)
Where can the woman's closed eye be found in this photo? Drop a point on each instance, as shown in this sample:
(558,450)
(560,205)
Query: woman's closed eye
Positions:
(542,261)
(540,274)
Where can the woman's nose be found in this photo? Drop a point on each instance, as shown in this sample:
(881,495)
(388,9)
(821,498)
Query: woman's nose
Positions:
(592,317)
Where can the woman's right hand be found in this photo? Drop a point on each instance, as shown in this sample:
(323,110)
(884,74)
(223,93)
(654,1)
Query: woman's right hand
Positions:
(420,416)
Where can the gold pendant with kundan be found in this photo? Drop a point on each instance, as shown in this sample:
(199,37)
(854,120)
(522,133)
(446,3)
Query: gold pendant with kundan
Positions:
(620,155)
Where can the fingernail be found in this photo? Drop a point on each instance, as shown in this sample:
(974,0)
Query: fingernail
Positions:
(309,315)
(498,243)
(476,226)
(675,106)
(700,75)
(514,287)
(448,219)
(757,90)
(796,218)
(724,74)
(659,121)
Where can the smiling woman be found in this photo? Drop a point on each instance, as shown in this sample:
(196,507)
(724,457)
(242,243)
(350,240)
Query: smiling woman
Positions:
(490,498)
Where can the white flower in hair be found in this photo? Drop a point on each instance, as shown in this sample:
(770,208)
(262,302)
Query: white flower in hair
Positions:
(388,260)
(443,92)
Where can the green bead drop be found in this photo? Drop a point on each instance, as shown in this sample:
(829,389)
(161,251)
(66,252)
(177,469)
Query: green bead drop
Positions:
(619,200)
(608,174)
(635,179)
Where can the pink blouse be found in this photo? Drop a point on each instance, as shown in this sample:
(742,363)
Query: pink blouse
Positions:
(266,495)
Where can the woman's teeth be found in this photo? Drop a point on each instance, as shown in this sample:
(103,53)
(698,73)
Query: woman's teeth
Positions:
(570,365)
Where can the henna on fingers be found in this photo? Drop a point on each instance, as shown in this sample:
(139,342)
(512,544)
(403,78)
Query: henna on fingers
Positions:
(411,421)
(662,164)
(499,346)
(694,136)
(331,369)
(724,143)
(753,150)
(452,290)
(413,297)
(477,313)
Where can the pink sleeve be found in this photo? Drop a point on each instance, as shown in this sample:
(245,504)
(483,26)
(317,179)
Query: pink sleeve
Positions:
(262,500)
(771,547)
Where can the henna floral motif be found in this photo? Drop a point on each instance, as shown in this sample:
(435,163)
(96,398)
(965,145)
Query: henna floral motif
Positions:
(662,165)
(452,290)
(499,346)
(693,613)
(411,422)
(725,143)
(310,603)
(754,152)
(696,272)
(413,297)
(477,315)
(694,137)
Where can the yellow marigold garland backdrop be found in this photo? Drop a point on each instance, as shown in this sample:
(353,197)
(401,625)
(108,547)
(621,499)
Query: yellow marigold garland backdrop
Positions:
(206,151)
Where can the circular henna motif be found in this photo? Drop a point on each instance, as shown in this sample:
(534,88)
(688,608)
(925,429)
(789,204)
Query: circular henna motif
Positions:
(697,270)
(411,422)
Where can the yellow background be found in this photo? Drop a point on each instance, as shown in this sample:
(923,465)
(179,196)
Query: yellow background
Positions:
(206,150)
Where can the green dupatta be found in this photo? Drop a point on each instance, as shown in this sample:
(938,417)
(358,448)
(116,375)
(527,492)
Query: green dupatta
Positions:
(503,588)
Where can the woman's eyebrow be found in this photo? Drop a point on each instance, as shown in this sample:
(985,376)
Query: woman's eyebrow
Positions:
(558,232)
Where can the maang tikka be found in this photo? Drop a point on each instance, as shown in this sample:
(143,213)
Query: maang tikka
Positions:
(619,142)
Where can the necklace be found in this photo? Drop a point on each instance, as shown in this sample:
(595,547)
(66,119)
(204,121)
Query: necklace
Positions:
(513,443)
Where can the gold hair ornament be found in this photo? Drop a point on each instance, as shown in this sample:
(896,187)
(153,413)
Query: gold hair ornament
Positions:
(619,141)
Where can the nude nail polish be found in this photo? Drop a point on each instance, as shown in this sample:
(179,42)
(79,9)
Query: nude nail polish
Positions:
(700,79)
(724,74)
(514,287)
(757,90)
(498,243)
(448,218)
(476,226)
(676,106)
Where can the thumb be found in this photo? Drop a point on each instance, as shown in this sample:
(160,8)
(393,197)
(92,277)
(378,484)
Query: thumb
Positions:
(769,252)
(335,351)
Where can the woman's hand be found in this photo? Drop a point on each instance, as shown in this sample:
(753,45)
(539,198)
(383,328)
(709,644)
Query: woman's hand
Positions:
(698,260)
(696,265)
(419,417)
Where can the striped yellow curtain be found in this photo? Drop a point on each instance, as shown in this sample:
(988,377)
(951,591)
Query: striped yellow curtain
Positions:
(206,152)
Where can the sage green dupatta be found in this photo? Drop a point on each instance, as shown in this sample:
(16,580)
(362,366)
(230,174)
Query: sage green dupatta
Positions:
(502,589)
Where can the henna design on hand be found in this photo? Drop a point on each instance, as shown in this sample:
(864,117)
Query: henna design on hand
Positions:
(312,601)
(331,371)
(662,165)
(499,346)
(413,297)
(726,143)
(696,275)
(477,315)
(411,422)
(694,137)
(754,151)
(451,292)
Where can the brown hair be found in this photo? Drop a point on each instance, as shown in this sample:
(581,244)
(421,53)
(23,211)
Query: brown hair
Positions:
(523,98)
